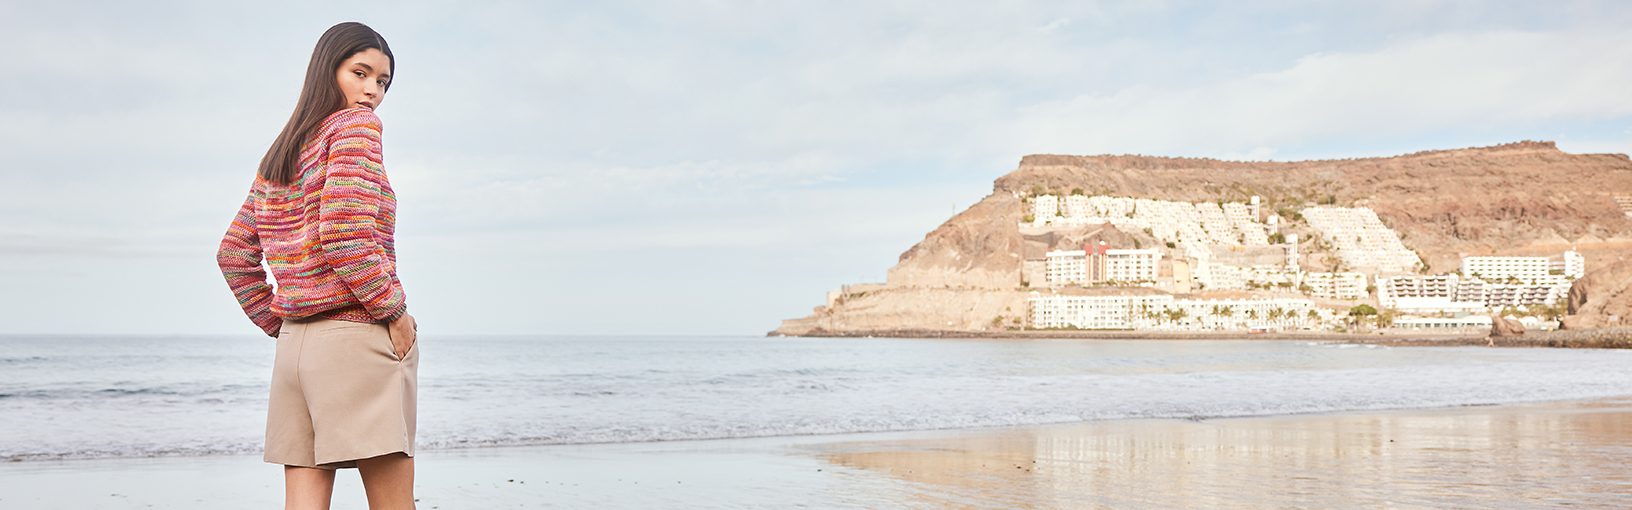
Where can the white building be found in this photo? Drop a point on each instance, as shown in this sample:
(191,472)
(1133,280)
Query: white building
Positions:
(1438,304)
(1500,282)
(1347,285)
(1228,277)
(1091,312)
(1471,321)
(1291,249)
(1526,269)
(1131,265)
(1224,277)
(1361,239)
(1076,206)
(1066,266)
(1181,223)
(1452,293)
(1101,264)
(1044,209)
(1502,295)
(1164,312)
(1574,265)
(1244,220)
(1245,313)
(1390,289)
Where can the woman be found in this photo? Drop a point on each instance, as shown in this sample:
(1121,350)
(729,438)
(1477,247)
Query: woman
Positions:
(344,380)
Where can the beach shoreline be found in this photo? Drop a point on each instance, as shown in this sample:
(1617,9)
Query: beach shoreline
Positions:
(1508,456)
(1601,338)
(1036,334)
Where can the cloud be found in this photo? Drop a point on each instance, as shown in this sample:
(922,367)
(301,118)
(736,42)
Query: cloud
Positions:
(1054,25)
(713,167)
(1442,82)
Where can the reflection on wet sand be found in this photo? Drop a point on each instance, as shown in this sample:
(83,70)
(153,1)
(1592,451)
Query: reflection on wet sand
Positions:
(1570,454)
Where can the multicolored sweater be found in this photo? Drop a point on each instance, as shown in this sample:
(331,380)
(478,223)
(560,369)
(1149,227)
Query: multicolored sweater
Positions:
(327,236)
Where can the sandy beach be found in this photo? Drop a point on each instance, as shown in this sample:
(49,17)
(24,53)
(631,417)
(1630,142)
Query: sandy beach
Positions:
(1528,456)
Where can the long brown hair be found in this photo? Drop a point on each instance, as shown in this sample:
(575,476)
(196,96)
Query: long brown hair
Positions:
(320,96)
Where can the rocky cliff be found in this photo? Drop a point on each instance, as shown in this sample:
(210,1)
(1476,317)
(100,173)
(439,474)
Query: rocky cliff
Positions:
(1446,204)
(980,248)
(1603,297)
(1525,198)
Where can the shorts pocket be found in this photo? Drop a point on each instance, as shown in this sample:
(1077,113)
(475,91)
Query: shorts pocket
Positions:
(390,346)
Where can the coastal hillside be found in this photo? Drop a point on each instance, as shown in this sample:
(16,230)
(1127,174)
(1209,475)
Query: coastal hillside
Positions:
(1446,204)
(1518,199)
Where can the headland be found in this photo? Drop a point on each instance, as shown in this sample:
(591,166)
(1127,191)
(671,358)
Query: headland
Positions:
(1507,240)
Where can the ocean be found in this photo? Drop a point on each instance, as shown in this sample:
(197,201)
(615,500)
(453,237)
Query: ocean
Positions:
(73,397)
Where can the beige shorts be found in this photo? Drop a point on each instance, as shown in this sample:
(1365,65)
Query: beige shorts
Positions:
(339,394)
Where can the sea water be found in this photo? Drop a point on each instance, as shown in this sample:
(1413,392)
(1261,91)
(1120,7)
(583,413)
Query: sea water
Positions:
(64,397)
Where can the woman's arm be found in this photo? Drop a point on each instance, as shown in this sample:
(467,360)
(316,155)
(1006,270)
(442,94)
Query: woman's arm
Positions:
(348,211)
(240,259)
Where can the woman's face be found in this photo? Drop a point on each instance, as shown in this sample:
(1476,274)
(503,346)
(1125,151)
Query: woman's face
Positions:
(363,77)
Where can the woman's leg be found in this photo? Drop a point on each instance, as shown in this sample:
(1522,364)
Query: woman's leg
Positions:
(307,488)
(389,481)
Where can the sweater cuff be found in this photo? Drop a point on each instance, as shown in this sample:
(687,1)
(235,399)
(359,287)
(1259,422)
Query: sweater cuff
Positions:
(274,328)
(396,313)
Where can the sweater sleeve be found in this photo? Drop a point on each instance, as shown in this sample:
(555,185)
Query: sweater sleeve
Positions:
(348,212)
(240,259)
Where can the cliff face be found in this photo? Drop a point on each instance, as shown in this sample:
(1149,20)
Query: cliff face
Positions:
(1445,203)
(1525,198)
(1603,293)
(914,308)
(979,248)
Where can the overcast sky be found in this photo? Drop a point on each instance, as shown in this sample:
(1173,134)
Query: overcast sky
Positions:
(711,167)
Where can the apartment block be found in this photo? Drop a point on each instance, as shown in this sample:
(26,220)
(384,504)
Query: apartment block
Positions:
(1129,265)
(1526,269)
(1500,282)
(1045,208)
(1091,312)
(1573,265)
(1153,312)
(1096,264)
(1391,289)
(1337,285)
(1361,239)
(1065,267)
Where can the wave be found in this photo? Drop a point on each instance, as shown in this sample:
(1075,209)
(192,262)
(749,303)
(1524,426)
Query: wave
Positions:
(794,388)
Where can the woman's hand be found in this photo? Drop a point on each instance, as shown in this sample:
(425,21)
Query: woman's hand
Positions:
(404,331)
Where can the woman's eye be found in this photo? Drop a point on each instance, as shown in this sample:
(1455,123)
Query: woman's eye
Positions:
(358,73)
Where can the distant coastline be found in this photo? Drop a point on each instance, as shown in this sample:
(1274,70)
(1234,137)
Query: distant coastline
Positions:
(1428,246)
(1604,338)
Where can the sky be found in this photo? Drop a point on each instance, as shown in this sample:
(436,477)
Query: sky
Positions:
(711,167)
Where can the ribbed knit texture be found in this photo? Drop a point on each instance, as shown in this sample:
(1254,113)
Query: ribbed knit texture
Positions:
(327,237)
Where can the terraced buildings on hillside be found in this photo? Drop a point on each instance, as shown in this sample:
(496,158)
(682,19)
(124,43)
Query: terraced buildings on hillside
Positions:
(1361,239)
(1355,235)
(1192,229)
(1485,283)
(1188,228)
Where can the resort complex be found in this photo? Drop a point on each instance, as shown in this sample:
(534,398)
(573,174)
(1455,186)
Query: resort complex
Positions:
(1347,254)
(1163,311)
(1466,239)
(1485,283)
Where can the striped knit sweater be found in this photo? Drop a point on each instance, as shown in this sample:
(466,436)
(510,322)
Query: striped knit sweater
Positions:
(327,237)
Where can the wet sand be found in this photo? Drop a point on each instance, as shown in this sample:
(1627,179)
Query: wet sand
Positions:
(1570,454)
(1565,455)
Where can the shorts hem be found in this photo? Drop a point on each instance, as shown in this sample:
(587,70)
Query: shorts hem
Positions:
(350,463)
